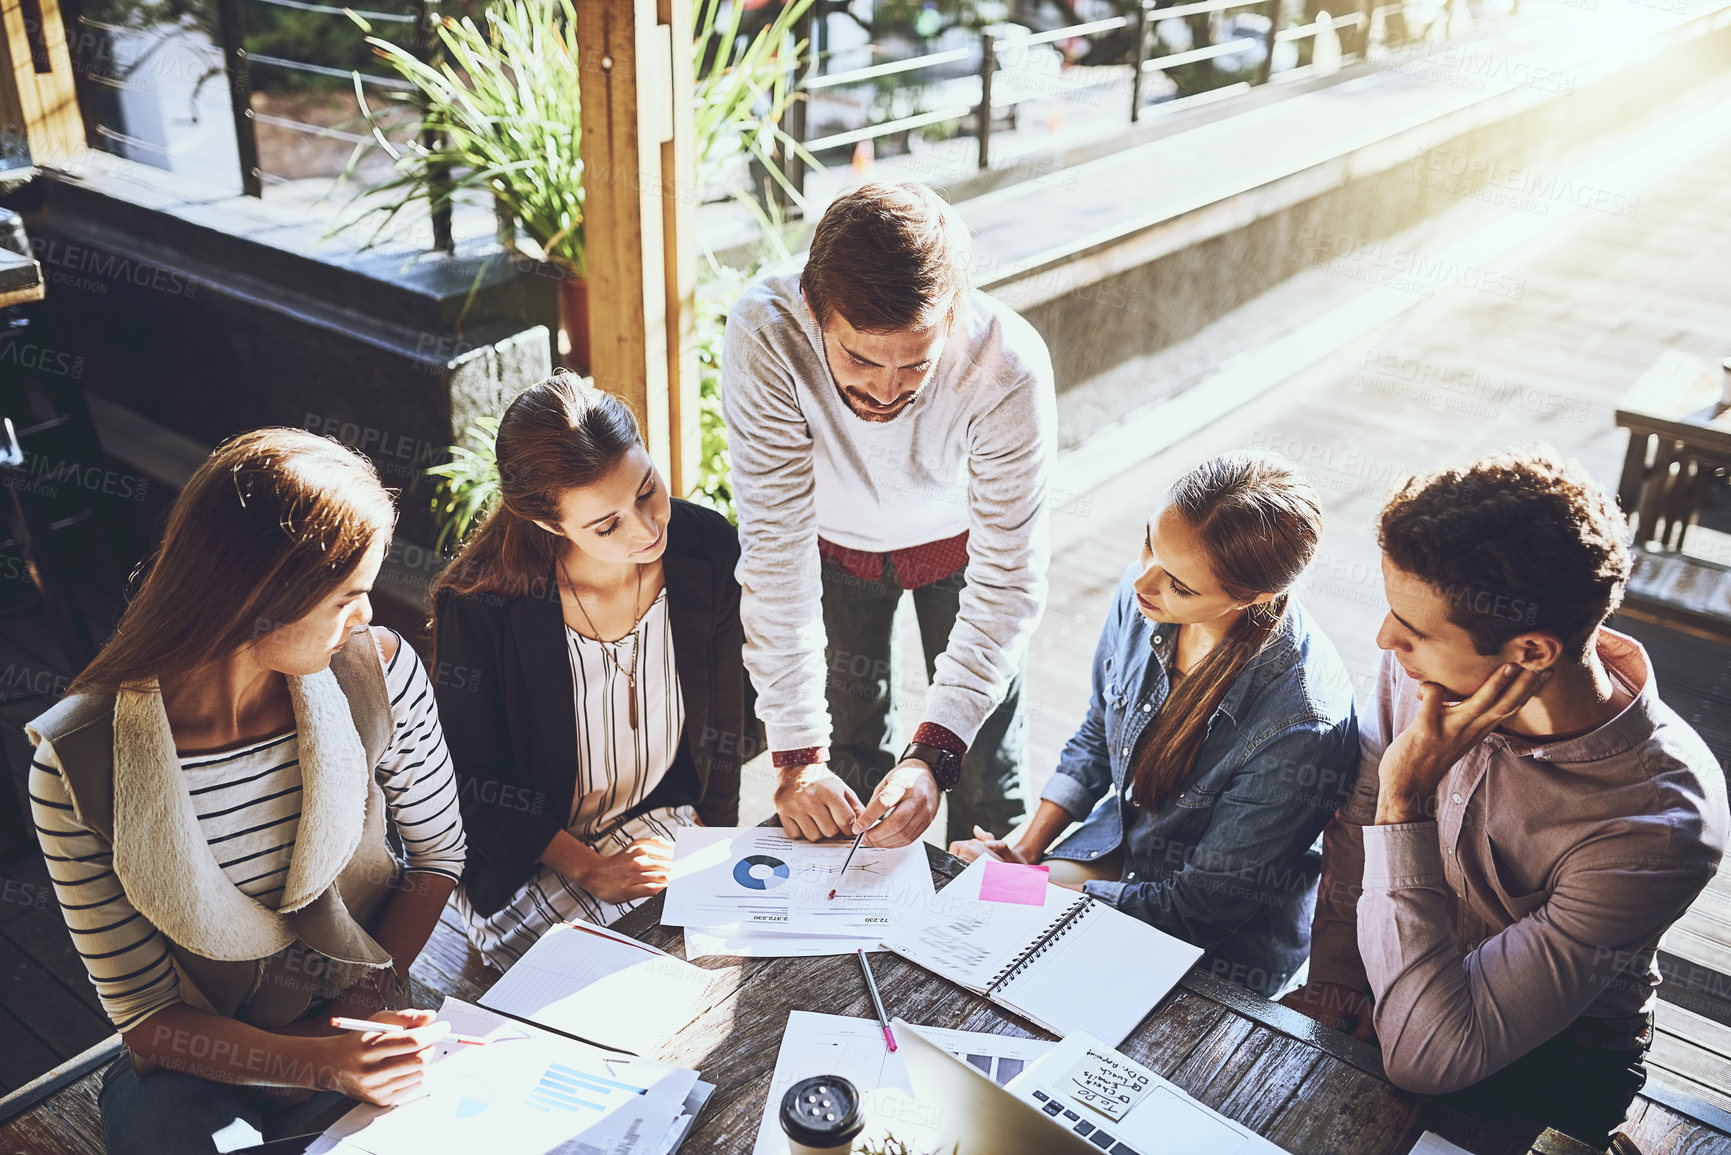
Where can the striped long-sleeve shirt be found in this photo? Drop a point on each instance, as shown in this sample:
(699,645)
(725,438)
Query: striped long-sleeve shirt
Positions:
(249,804)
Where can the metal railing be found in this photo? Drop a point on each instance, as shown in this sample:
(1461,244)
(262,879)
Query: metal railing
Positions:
(240,63)
(1141,22)
(994,97)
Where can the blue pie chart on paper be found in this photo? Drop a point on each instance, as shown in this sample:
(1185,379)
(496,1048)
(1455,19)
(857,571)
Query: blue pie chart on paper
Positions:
(760,872)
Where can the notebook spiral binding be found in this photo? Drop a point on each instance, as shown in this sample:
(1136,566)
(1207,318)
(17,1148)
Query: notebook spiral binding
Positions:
(1057,930)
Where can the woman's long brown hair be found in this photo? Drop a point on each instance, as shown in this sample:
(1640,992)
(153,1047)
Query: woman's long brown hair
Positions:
(559,435)
(267,528)
(1259,521)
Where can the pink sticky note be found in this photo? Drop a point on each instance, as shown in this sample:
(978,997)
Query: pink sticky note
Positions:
(1014,882)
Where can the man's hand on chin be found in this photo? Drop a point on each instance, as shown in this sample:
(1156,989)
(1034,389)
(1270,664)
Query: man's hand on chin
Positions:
(1420,755)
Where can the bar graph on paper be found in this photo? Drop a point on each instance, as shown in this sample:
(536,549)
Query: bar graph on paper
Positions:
(563,1088)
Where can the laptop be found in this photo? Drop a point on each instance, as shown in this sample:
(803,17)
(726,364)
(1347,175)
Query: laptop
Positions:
(1079,1097)
(1123,1108)
(971,1111)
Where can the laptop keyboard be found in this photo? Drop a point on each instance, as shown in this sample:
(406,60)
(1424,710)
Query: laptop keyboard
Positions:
(1098,1136)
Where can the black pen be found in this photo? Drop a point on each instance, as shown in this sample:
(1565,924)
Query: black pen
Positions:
(855,846)
(872,986)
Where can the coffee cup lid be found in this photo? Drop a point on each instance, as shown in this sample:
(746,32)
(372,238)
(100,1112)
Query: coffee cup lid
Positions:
(823,1111)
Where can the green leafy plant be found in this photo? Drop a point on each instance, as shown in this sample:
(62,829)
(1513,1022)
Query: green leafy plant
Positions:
(718,286)
(502,132)
(500,114)
(890,1145)
(468,484)
(742,92)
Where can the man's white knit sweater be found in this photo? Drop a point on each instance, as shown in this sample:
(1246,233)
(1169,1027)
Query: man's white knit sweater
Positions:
(974,452)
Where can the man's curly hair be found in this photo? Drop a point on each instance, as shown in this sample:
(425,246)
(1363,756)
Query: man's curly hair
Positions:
(1518,540)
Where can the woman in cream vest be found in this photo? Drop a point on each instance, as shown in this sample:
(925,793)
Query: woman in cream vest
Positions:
(213,798)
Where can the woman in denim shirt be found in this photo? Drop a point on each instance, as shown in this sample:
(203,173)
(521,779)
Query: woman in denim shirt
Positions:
(1220,733)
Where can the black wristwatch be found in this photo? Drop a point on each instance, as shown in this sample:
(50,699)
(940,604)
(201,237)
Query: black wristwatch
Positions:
(946,766)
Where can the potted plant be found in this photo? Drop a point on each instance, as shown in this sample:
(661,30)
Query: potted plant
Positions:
(501,115)
(744,84)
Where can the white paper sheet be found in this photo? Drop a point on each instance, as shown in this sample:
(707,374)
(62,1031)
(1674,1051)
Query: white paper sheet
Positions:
(758,878)
(816,1044)
(1430,1143)
(526,1091)
(602,986)
(743,942)
(970,941)
(1057,987)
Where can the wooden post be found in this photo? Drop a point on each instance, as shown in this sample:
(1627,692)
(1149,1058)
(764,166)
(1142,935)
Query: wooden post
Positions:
(37,100)
(638,181)
(679,255)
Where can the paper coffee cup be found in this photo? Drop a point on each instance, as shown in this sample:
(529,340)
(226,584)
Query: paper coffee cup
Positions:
(821,1116)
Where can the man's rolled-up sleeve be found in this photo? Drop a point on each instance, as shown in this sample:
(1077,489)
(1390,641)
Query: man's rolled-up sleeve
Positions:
(774,487)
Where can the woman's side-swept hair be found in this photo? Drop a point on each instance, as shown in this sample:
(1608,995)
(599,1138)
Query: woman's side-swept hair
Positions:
(269,526)
(1259,521)
(559,435)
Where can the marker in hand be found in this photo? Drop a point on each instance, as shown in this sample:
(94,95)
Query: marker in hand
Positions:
(856,841)
(343,1024)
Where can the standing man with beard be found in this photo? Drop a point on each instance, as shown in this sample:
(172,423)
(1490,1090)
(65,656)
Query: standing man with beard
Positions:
(891,429)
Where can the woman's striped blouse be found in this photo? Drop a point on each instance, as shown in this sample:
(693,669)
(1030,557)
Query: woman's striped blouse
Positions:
(248,804)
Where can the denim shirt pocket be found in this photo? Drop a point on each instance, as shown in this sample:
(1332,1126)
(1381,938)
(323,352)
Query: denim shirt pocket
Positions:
(1195,798)
(1216,762)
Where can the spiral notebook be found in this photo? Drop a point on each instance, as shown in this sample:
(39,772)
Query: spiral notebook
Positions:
(1069,964)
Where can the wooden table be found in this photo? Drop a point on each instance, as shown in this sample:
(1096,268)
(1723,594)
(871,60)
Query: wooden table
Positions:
(1310,1090)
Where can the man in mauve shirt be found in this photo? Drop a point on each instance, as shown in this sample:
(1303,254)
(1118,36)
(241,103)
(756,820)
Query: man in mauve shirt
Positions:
(891,429)
(1529,817)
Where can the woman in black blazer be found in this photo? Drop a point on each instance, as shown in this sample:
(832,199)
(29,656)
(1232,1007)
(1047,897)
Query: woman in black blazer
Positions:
(588,672)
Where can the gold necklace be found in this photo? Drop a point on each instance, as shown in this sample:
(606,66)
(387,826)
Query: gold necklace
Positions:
(630,675)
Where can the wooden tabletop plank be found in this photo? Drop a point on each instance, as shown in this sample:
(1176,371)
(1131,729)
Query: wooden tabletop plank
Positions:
(1259,1091)
(81,1111)
(1183,1020)
(1211,1056)
(1341,1110)
(45,1130)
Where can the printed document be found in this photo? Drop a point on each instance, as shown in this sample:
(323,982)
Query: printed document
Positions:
(756,878)
(525,1092)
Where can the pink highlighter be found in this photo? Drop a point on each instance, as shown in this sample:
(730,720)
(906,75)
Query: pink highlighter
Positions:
(878,1003)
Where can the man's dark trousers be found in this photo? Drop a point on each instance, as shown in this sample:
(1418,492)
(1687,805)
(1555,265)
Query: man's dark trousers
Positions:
(858,616)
